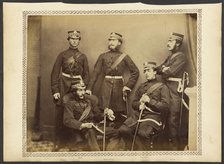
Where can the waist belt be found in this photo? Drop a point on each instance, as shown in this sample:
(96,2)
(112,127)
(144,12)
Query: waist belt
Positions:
(113,77)
(174,79)
(69,76)
(179,80)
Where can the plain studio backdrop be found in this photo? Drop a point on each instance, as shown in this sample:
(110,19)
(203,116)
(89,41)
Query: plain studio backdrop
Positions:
(145,39)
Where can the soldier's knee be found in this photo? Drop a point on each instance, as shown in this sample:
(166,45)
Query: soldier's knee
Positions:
(142,134)
(90,132)
(146,132)
(124,129)
(92,98)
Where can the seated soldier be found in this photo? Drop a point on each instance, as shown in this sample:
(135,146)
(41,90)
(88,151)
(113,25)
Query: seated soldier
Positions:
(80,112)
(152,98)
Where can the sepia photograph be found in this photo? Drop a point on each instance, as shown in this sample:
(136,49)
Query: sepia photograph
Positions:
(112,83)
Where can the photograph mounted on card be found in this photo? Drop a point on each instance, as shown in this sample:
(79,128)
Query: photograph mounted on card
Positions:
(111,83)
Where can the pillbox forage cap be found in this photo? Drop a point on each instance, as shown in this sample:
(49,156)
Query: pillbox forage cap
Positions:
(177,36)
(115,35)
(149,65)
(77,84)
(74,34)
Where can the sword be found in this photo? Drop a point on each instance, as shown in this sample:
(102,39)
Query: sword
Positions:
(185,77)
(104,129)
(136,130)
(98,129)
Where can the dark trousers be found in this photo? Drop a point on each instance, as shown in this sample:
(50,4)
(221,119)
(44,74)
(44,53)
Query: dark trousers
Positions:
(174,114)
(82,140)
(60,130)
(142,138)
(114,141)
(112,95)
(90,136)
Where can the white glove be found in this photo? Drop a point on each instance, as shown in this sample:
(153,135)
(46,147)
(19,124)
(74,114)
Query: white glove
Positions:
(89,92)
(126,92)
(142,106)
(109,113)
(86,125)
(165,68)
(145,98)
(126,89)
(56,96)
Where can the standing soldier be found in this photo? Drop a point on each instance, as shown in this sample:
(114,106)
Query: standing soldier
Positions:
(70,64)
(172,71)
(151,104)
(111,66)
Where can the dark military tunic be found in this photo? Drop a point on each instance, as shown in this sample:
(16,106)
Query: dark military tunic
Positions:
(71,62)
(177,63)
(159,102)
(74,109)
(110,90)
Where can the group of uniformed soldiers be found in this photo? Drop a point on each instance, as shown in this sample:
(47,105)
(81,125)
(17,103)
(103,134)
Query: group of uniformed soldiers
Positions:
(78,109)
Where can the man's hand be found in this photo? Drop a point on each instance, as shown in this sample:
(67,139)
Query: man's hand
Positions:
(89,92)
(56,96)
(126,92)
(145,98)
(142,106)
(165,68)
(109,113)
(86,125)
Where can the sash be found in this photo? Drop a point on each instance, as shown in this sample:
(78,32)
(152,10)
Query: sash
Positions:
(130,121)
(174,55)
(77,55)
(118,60)
(154,87)
(85,113)
(71,61)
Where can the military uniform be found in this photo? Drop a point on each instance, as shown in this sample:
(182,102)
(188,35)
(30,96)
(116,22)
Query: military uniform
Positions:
(176,63)
(72,113)
(111,86)
(111,95)
(159,103)
(69,65)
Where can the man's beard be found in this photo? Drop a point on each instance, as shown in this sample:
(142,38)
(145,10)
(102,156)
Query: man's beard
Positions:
(77,97)
(113,49)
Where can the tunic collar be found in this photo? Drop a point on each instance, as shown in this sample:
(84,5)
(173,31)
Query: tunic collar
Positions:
(73,49)
(151,82)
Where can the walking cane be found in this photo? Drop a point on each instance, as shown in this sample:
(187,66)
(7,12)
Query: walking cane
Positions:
(136,130)
(182,96)
(104,129)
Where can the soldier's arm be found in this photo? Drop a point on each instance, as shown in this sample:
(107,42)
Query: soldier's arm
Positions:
(134,72)
(98,114)
(162,103)
(85,74)
(55,74)
(68,118)
(97,70)
(135,102)
(159,68)
(177,65)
